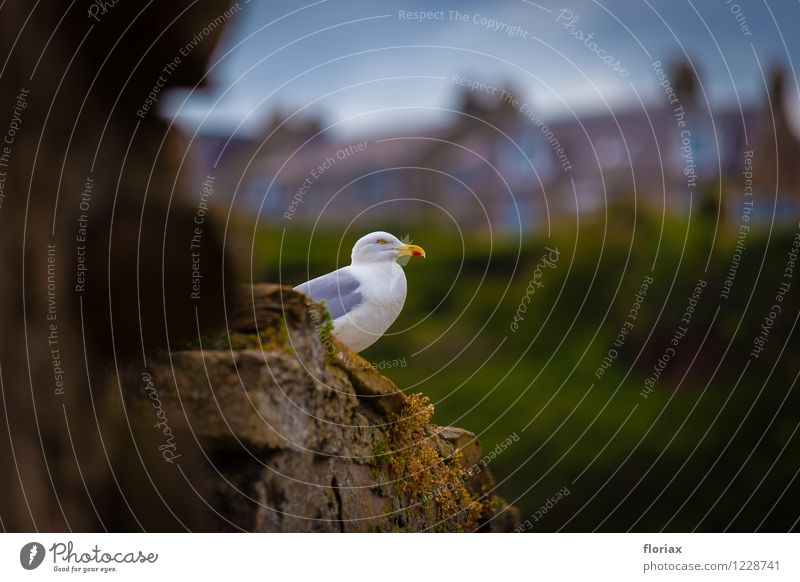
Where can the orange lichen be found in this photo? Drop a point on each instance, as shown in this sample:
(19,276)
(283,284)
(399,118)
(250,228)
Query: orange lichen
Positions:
(422,474)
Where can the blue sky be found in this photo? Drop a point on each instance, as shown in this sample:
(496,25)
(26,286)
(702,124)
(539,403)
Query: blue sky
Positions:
(364,70)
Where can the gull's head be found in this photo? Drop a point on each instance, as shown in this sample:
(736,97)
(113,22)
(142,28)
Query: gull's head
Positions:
(378,247)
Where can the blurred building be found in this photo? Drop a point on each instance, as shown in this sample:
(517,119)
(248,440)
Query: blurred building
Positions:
(496,161)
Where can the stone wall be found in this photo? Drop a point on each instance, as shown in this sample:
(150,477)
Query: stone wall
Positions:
(297,433)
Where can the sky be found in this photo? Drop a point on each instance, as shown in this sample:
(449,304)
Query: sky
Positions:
(368,68)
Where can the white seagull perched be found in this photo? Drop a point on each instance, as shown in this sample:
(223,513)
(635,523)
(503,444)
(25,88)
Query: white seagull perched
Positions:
(365,297)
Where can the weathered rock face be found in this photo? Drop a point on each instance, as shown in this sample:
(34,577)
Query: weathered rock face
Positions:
(300,434)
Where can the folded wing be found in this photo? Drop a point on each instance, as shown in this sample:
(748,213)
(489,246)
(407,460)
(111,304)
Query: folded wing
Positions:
(339,291)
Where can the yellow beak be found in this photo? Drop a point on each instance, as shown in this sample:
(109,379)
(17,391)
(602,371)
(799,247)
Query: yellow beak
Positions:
(412,251)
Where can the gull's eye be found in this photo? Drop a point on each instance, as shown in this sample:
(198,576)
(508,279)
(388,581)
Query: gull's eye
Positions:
(381,241)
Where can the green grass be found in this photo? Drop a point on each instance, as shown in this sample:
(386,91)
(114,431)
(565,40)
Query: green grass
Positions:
(485,378)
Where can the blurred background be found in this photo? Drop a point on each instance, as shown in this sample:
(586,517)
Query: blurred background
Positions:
(492,130)
(654,145)
(646,141)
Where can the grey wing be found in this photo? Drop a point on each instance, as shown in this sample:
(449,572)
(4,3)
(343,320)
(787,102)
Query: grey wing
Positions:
(339,291)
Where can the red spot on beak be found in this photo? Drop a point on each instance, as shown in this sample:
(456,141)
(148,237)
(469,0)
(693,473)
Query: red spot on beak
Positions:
(416,254)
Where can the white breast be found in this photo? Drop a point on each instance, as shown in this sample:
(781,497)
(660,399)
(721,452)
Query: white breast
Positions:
(383,290)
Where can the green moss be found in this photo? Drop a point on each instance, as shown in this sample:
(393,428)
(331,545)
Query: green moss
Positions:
(325,330)
(327,320)
(326,335)
(380,454)
(267,339)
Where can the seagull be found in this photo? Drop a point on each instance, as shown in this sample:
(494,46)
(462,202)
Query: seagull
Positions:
(365,297)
